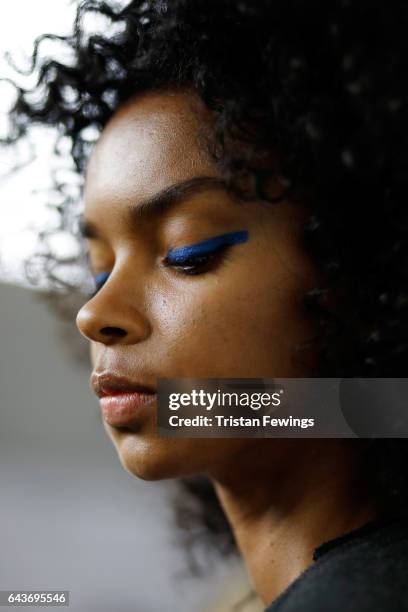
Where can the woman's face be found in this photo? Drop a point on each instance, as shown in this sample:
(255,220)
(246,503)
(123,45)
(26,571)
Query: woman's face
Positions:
(234,314)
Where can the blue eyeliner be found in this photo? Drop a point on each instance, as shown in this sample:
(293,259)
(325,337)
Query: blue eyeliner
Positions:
(100,279)
(181,254)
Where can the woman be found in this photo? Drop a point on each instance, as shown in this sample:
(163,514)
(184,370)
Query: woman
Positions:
(270,139)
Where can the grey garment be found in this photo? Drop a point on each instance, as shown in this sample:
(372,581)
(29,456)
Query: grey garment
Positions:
(365,570)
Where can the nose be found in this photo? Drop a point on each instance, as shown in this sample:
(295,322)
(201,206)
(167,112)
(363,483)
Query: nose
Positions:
(112,316)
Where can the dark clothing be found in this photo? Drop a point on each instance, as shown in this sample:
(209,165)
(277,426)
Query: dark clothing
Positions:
(365,570)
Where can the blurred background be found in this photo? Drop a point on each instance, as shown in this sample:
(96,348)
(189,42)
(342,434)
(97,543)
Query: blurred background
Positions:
(71,518)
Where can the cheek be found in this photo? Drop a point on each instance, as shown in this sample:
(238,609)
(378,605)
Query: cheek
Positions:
(93,351)
(236,322)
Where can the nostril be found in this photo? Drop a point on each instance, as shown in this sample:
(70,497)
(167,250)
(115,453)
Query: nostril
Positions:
(116,332)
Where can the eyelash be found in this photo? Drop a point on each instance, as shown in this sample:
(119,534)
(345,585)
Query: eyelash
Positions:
(191,266)
(199,264)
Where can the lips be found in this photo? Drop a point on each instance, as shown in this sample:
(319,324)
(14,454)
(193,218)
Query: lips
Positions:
(121,399)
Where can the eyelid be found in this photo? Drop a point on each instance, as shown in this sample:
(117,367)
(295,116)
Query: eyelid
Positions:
(181,254)
(206,246)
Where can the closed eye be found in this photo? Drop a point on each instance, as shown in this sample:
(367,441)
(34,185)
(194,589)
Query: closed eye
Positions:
(192,259)
(181,254)
(198,258)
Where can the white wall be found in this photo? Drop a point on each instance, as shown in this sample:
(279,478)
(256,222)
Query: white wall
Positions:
(21,209)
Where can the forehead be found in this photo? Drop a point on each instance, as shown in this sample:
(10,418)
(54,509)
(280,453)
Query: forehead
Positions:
(150,143)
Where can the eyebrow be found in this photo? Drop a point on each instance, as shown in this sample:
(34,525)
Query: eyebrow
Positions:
(163,200)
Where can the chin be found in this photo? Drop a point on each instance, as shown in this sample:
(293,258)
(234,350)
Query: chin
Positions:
(153,458)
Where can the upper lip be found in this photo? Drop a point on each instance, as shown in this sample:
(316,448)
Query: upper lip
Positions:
(106,384)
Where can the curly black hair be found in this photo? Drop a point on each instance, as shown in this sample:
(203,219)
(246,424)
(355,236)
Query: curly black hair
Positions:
(321,84)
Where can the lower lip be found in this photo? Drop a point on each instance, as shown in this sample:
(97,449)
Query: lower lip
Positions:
(121,410)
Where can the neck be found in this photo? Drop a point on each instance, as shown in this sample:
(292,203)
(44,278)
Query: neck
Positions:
(280,510)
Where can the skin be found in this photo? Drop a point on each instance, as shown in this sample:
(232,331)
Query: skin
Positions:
(240,319)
